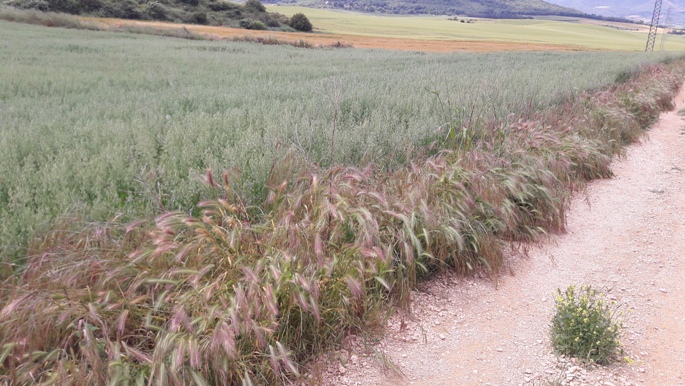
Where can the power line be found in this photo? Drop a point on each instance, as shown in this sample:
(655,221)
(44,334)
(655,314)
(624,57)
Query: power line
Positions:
(667,25)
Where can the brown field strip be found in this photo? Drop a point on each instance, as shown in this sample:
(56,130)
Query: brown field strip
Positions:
(357,41)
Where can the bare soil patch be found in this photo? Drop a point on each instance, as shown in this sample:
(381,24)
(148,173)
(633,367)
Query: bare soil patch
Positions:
(626,235)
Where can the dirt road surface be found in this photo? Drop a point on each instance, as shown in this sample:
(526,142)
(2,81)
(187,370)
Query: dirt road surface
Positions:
(626,235)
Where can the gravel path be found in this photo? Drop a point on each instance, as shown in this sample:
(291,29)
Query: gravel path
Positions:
(626,236)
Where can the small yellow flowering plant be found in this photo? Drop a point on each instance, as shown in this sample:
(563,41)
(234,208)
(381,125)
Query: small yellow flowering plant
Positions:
(585,325)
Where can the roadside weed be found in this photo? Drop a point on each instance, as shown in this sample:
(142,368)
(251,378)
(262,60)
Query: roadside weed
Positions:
(586,325)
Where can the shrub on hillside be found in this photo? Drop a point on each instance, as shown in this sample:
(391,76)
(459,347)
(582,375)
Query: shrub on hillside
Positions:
(270,19)
(157,11)
(200,17)
(39,5)
(254,6)
(222,6)
(126,9)
(272,23)
(67,6)
(215,12)
(300,22)
(252,24)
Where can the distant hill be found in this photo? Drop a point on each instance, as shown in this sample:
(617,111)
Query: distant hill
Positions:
(250,14)
(632,9)
(474,8)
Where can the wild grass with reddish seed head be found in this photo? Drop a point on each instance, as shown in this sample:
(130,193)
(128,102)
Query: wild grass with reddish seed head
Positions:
(246,294)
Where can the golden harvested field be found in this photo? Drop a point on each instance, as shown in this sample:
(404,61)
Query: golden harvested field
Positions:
(357,41)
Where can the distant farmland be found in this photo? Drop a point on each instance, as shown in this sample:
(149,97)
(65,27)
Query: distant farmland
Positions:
(103,123)
(567,32)
(441,33)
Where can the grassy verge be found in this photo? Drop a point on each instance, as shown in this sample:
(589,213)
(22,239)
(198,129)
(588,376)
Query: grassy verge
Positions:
(244,294)
(272,40)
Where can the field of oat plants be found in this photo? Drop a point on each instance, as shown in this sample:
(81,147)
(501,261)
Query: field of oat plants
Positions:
(192,212)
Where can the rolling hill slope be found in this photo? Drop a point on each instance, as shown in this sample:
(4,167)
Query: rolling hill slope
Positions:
(474,8)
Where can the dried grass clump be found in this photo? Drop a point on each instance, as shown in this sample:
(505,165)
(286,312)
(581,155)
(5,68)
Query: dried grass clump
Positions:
(242,294)
(272,41)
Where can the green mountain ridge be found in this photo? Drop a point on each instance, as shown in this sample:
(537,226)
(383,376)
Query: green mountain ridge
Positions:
(628,8)
(473,8)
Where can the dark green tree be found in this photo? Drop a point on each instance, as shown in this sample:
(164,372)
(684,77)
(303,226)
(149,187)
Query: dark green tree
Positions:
(252,24)
(200,17)
(157,11)
(300,22)
(254,6)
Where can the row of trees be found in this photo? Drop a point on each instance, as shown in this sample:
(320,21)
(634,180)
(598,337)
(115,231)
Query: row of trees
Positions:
(251,15)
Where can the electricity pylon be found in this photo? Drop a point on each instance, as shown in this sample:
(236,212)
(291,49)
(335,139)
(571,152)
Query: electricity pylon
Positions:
(651,38)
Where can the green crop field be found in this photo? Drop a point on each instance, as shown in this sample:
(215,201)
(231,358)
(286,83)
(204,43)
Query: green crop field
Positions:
(109,123)
(350,176)
(543,31)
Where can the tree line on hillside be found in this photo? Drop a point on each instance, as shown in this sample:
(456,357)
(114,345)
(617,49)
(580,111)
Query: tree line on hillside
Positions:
(612,18)
(250,15)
